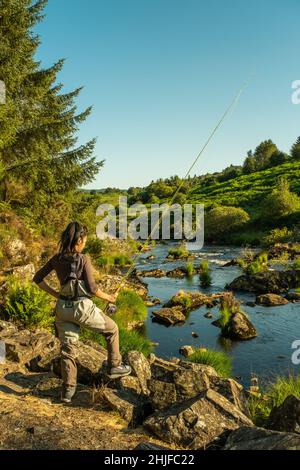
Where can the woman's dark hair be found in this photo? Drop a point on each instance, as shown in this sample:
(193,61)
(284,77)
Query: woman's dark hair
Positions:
(70,237)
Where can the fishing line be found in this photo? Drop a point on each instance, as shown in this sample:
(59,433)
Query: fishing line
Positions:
(212,134)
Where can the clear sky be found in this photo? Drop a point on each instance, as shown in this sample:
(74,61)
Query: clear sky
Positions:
(159,74)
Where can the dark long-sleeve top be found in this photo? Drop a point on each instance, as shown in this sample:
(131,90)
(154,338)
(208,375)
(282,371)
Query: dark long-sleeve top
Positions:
(61,265)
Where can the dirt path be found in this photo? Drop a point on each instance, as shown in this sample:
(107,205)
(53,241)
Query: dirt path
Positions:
(31,417)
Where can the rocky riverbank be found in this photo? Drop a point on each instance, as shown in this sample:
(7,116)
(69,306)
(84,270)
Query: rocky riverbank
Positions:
(175,404)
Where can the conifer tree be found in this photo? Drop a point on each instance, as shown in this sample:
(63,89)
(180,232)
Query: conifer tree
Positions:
(295,151)
(38,123)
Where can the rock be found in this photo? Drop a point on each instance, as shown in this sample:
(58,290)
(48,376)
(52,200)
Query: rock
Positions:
(283,249)
(89,363)
(252,438)
(24,346)
(131,407)
(240,327)
(177,273)
(24,272)
(233,262)
(189,301)
(152,273)
(196,422)
(286,417)
(208,315)
(250,304)
(169,316)
(293,296)
(151,257)
(186,351)
(16,250)
(110,284)
(271,300)
(7,329)
(275,282)
(140,368)
(195,335)
(175,382)
(232,390)
(129,383)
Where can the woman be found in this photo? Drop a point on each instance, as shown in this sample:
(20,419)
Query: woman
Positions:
(75,308)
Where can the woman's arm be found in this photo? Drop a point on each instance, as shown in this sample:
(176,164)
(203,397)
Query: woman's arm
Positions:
(102,295)
(41,274)
(45,287)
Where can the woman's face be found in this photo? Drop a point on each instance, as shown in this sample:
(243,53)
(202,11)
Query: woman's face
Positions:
(80,244)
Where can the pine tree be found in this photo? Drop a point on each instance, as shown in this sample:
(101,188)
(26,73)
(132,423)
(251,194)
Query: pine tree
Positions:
(38,123)
(295,151)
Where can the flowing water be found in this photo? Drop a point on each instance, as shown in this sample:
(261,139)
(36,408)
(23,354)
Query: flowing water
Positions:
(278,327)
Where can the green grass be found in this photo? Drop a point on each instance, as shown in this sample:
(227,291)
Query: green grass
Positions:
(27,305)
(247,191)
(130,307)
(273,396)
(205,276)
(258,265)
(219,360)
(129,341)
(182,298)
(114,260)
(296,264)
(179,252)
(189,269)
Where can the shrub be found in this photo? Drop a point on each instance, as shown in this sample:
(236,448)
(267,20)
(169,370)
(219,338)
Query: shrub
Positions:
(182,298)
(114,260)
(281,202)
(219,360)
(205,276)
(296,264)
(273,396)
(223,220)
(260,264)
(27,305)
(278,235)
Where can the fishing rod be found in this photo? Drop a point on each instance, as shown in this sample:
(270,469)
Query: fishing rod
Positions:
(211,136)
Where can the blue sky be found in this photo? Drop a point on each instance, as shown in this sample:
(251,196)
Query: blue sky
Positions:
(159,74)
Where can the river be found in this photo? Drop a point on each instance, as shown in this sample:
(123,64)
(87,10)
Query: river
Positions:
(266,356)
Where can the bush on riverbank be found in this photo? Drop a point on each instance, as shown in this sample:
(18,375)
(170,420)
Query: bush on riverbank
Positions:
(220,361)
(178,252)
(274,395)
(27,305)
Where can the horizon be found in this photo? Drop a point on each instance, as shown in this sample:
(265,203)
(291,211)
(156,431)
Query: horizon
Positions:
(159,82)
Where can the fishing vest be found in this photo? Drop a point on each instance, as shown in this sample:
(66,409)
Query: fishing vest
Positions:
(73,289)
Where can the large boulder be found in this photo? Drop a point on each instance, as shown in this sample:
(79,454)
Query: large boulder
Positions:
(286,417)
(131,407)
(252,438)
(24,272)
(24,346)
(239,327)
(275,282)
(189,301)
(140,369)
(271,300)
(196,422)
(169,316)
(175,382)
(89,362)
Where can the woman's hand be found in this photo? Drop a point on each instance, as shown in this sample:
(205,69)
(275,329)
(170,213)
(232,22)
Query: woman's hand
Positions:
(108,297)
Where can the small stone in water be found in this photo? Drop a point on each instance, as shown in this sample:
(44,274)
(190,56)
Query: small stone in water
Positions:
(208,315)
(195,335)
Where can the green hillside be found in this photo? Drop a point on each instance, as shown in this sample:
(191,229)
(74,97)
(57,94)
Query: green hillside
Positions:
(247,191)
